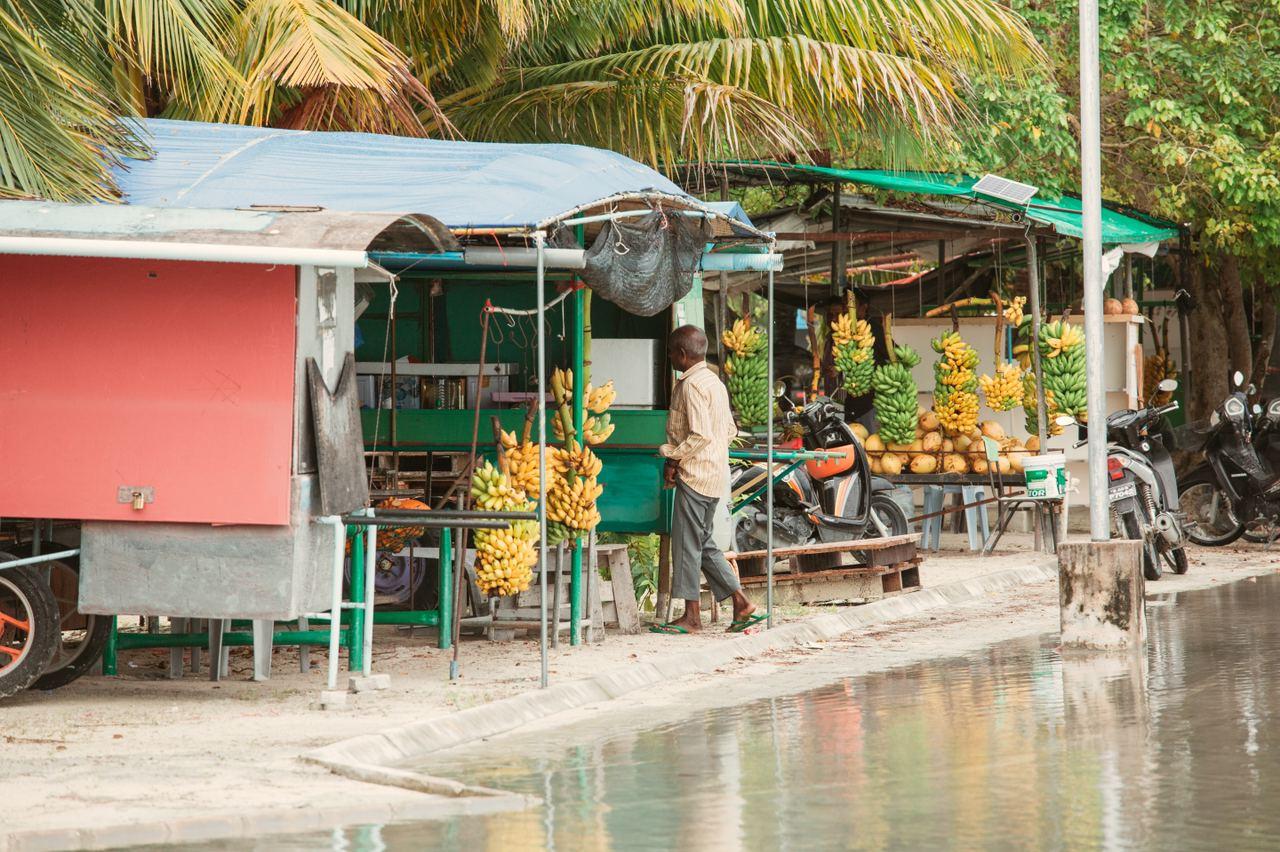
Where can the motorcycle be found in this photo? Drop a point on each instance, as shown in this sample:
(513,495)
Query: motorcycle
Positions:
(832,499)
(1235,491)
(1142,487)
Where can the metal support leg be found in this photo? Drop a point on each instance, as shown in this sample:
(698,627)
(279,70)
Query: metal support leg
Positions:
(263,634)
(177,655)
(445,604)
(110,660)
(219,654)
(304,651)
(555,597)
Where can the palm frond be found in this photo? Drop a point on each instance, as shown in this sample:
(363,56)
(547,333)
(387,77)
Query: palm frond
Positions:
(58,131)
(177,48)
(653,118)
(325,53)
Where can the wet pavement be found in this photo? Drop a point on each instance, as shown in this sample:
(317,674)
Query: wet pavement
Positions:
(1013,747)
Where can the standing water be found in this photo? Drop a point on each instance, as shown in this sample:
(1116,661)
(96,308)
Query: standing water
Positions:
(1013,747)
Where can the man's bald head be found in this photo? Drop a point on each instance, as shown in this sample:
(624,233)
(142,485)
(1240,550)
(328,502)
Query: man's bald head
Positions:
(687,346)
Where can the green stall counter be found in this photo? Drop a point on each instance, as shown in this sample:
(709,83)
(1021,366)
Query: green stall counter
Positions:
(633,500)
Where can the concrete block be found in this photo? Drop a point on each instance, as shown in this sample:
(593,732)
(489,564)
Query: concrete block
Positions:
(370,683)
(332,699)
(1100,595)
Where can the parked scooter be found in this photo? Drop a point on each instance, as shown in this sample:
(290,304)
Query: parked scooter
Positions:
(1143,487)
(835,499)
(1236,491)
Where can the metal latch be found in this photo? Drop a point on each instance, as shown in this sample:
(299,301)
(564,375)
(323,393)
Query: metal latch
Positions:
(137,495)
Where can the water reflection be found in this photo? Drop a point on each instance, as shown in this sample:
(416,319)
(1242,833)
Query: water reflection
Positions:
(1014,747)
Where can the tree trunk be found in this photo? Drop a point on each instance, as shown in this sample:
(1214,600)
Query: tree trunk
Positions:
(1239,347)
(1264,306)
(1209,343)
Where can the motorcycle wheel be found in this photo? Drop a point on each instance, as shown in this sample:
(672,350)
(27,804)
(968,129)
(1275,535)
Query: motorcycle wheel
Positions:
(1177,559)
(1205,526)
(28,626)
(1259,533)
(890,515)
(1132,526)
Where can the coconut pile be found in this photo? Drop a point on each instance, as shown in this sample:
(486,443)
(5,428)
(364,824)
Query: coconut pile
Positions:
(932,451)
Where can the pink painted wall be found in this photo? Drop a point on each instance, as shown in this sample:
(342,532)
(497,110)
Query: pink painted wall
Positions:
(171,374)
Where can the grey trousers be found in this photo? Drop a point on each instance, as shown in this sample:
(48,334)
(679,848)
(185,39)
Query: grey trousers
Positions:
(693,551)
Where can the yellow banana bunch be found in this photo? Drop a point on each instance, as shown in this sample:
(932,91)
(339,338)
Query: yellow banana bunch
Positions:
(505,558)
(842,329)
(598,429)
(562,386)
(508,440)
(955,398)
(573,503)
(744,339)
(599,399)
(1155,369)
(1003,391)
(520,464)
(1013,311)
(1069,337)
(579,460)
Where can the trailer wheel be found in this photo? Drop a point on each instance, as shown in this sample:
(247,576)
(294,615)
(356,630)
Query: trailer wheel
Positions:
(28,626)
(82,638)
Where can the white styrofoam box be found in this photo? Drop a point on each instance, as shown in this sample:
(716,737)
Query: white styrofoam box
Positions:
(632,364)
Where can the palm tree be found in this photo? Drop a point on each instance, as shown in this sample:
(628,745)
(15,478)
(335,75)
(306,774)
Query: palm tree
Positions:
(687,79)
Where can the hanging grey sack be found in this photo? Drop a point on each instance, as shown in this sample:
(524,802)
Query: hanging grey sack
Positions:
(644,264)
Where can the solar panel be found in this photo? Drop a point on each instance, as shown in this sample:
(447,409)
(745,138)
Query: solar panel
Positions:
(1003,189)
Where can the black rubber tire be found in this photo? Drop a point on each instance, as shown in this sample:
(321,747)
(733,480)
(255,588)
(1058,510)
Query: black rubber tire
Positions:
(1177,559)
(890,514)
(28,588)
(1151,568)
(97,631)
(1192,529)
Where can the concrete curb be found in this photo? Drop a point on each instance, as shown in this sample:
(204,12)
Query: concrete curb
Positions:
(405,743)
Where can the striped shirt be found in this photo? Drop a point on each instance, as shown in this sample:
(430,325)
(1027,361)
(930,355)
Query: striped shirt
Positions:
(699,428)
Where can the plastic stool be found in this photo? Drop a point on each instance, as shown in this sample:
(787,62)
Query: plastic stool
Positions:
(975,517)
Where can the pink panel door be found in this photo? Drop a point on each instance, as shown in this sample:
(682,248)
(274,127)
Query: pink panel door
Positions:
(169,375)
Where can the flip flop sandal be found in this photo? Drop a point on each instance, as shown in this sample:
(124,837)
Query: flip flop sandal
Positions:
(668,629)
(753,619)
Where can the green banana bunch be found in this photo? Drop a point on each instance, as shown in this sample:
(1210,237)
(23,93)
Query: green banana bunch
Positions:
(897,397)
(747,377)
(1062,348)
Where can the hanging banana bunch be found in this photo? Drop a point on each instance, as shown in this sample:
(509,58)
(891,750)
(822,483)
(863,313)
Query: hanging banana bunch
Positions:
(747,373)
(955,388)
(1062,363)
(504,558)
(1158,367)
(853,347)
(897,398)
(1003,391)
(1029,407)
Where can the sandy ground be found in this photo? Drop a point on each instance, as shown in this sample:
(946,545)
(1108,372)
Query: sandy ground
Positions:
(141,747)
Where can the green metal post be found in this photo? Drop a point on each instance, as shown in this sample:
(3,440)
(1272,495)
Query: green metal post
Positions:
(579,415)
(445,605)
(355,633)
(109,663)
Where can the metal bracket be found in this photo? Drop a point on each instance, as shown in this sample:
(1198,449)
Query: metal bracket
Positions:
(138,495)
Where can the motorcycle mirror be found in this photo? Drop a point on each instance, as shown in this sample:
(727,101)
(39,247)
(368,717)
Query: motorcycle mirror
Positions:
(1237,378)
(779,388)
(1064,420)
(1168,385)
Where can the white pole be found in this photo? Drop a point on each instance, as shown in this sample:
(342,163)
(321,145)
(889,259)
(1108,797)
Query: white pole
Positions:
(768,453)
(1091,200)
(370,578)
(539,240)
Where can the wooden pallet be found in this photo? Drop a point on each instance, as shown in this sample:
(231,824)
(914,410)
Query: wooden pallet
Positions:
(876,568)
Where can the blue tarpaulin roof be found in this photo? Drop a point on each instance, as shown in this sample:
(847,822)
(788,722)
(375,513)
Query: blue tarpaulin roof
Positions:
(462,184)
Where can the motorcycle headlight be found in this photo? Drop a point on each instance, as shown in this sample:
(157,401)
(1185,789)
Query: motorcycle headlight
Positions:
(1234,408)
(1273,408)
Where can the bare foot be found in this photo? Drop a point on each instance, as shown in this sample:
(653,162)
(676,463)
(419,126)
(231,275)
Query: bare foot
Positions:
(690,620)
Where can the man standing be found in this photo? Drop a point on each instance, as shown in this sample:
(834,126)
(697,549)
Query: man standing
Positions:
(699,428)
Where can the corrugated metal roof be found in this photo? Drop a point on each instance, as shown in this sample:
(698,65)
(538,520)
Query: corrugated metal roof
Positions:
(463,184)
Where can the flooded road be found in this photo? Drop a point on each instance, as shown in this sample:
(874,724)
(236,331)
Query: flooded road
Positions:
(1012,747)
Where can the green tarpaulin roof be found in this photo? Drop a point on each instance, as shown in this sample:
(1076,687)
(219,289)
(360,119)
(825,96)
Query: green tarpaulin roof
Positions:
(1062,214)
